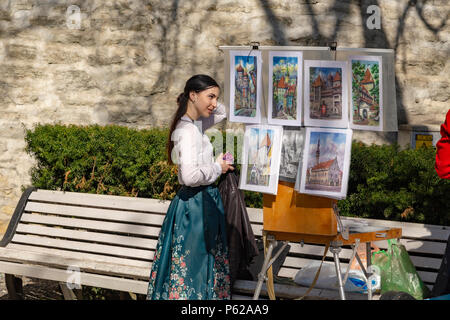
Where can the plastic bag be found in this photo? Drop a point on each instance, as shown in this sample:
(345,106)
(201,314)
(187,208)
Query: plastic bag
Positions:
(356,281)
(362,253)
(397,271)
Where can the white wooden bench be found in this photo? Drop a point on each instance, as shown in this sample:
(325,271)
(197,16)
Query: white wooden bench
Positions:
(111,241)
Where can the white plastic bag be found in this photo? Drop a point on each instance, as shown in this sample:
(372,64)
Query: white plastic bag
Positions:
(356,281)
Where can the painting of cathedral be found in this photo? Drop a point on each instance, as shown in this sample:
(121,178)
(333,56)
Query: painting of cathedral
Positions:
(326,93)
(326,162)
(261,158)
(285,75)
(245,87)
(366,102)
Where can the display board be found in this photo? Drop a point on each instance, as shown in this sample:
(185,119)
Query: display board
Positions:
(341,89)
(379,64)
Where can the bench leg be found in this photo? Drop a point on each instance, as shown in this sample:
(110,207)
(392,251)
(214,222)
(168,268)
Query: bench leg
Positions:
(14,287)
(70,294)
(127,295)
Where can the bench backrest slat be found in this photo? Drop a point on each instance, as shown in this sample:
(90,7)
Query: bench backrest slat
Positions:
(95,213)
(101,201)
(92,224)
(106,238)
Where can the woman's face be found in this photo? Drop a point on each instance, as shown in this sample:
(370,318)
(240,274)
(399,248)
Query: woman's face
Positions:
(205,101)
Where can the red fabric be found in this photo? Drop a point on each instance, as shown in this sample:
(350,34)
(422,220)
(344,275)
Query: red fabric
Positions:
(443,150)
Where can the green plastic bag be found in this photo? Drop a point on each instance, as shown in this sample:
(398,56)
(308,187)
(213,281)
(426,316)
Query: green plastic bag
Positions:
(397,271)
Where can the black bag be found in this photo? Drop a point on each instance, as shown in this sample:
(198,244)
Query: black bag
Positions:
(396,295)
(241,240)
(442,284)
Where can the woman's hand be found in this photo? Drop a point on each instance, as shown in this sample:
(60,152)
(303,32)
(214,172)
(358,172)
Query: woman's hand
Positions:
(224,164)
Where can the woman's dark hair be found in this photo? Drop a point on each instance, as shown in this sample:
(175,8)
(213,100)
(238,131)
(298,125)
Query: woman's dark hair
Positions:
(197,84)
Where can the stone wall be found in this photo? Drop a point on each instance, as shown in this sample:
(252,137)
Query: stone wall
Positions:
(128,60)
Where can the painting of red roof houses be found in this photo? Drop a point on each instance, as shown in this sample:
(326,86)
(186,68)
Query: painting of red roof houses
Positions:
(326,101)
(366,111)
(327,162)
(325,93)
(245,79)
(284,72)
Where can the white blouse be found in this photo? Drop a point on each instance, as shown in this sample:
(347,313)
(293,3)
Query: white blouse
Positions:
(193,152)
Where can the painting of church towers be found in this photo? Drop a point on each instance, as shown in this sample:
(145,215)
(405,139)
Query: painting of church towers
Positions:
(326,93)
(261,158)
(326,162)
(366,100)
(285,75)
(245,86)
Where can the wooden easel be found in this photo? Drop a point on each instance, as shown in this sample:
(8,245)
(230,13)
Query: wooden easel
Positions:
(291,216)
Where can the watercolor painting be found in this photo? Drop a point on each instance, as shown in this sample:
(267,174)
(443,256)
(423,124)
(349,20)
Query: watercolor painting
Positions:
(261,158)
(285,74)
(326,162)
(326,96)
(245,86)
(366,104)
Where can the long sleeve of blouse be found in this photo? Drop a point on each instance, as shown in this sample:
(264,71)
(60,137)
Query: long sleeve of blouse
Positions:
(194,152)
(217,116)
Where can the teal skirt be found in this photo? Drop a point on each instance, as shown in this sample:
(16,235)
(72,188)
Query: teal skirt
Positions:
(191,257)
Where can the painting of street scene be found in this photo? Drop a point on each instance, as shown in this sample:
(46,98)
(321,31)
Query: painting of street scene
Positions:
(284,90)
(366,109)
(327,159)
(245,86)
(326,101)
(325,94)
(262,151)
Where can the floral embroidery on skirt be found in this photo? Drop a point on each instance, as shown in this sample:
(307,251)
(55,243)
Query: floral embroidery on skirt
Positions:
(183,267)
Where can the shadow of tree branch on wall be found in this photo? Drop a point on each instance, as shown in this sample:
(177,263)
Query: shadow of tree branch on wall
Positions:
(278,34)
(170,19)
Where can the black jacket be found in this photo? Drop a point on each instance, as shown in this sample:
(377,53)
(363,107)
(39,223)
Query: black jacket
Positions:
(241,240)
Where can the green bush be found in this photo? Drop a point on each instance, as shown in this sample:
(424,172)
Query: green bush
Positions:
(401,185)
(384,183)
(105,160)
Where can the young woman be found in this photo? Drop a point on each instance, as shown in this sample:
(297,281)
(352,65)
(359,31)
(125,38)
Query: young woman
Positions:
(191,258)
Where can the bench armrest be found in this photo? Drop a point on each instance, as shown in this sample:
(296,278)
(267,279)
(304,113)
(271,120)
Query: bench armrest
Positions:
(12,226)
